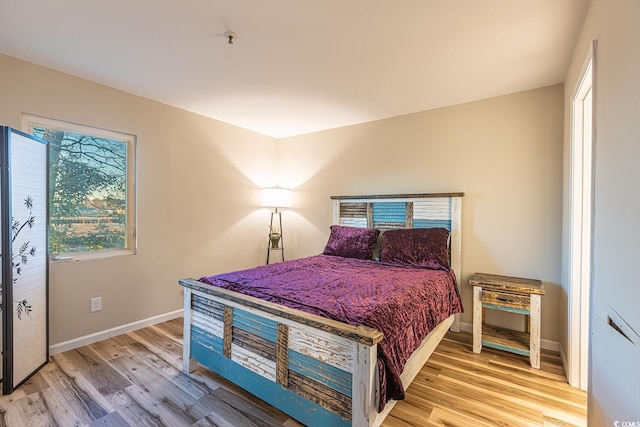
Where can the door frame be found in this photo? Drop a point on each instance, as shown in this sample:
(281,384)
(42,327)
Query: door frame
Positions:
(581,202)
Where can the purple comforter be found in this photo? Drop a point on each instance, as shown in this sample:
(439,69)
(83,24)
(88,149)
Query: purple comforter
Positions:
(404,303)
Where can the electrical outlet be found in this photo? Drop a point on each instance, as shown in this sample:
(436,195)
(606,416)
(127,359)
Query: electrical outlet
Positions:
(96,304)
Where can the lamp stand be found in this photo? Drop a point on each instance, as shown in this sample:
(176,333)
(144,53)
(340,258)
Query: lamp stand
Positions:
(280,244)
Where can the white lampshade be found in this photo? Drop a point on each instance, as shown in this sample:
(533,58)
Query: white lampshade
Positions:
(276,197)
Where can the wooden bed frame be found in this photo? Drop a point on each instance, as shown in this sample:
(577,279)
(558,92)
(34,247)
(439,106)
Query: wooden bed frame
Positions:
(318,371)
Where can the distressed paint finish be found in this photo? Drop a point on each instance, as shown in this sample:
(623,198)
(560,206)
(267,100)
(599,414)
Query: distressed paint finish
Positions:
(436,209)
(511,294)
(205,339)
(320,394)
(477,319)
(333,378)
(534,335)
(396,214)
(506,340)
(365,397)
(400,196)
(353,210)
(308,412)
(282,355)
(212,326)
(506,300)
(331,373)
(332,350)
(73,390)
(353,215)
(254,324)
(433,213)
(188,363)
(255,343)
(260,365)
(300,359)
(210,308)
(389,214)
(227,331)
(409,215)
(282,314)
(369,215)
(354,222)
(455,248)
(518,285)
(428,210)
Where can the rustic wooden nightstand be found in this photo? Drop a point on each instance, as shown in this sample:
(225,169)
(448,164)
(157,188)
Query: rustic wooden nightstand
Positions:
(510,294)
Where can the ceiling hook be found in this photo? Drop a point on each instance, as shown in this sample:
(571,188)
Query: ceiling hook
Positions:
(230,35)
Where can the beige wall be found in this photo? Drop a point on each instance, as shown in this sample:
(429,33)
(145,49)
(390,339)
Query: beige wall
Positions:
(505,153)
(198,198)
(198,190)
(614,386)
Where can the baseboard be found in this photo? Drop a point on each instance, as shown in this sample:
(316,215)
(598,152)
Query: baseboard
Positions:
(118,330)
(544,343)
(565,364)
(550,345)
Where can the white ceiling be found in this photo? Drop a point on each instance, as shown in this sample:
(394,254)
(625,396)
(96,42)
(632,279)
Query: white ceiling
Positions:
(300,66)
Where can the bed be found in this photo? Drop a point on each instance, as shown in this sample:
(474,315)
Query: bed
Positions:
(326,364)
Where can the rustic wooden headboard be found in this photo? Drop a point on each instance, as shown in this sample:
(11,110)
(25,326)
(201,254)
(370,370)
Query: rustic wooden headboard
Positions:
(393,211)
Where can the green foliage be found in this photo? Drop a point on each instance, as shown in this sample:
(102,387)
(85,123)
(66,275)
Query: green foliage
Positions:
(87,184)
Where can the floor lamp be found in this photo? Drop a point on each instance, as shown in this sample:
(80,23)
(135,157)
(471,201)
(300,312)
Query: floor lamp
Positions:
(276,198)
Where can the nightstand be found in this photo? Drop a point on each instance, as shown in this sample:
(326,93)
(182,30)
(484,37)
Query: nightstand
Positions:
(514,295)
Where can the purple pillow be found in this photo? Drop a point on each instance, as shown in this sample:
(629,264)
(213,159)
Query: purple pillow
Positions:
(418,247)
(351,242)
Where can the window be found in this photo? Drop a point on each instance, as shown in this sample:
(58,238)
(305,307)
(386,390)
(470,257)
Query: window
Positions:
(91,189)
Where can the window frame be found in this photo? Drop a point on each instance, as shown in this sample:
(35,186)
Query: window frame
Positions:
(29,121)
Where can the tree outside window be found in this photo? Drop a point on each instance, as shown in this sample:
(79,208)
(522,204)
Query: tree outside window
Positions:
(89,188)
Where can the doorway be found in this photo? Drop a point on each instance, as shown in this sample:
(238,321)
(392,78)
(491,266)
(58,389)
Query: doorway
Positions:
(581,202)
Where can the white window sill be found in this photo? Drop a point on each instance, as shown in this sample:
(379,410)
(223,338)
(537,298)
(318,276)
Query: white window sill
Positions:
(88,256)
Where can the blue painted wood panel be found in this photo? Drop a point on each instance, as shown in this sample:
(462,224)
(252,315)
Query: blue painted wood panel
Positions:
(328,375)
(259,326)
(432,223)
(503,308)
(303,410)
(389,212)
(505,348)
(208,340)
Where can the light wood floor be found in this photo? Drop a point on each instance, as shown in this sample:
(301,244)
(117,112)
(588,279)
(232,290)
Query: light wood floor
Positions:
(136,380)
